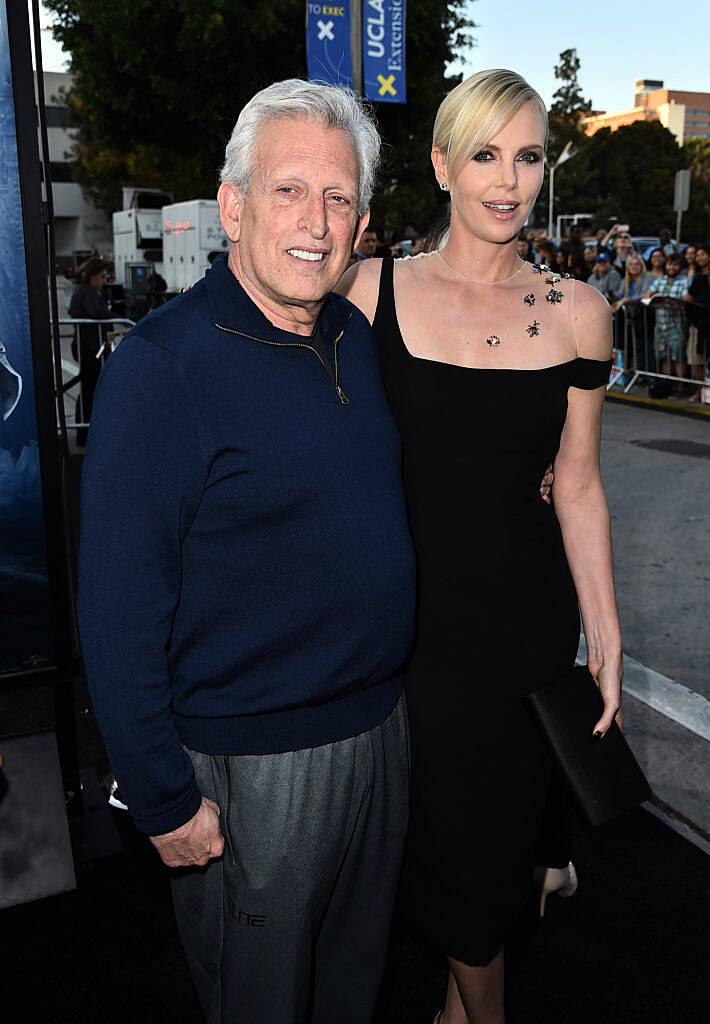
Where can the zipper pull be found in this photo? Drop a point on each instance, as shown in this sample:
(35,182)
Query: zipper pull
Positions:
(341,395)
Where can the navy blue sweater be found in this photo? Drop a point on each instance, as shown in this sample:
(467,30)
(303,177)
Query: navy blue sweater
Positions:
(247,578)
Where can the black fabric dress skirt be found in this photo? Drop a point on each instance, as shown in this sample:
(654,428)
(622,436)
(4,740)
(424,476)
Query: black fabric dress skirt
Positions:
(497,618)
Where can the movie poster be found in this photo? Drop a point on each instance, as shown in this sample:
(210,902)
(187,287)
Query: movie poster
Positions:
(25,622)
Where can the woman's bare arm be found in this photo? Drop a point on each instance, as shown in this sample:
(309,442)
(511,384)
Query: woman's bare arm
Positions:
(581,507)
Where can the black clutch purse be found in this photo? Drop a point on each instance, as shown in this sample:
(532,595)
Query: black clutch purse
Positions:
(603,774)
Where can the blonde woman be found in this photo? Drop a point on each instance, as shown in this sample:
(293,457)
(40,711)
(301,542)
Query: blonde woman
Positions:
(637,280)
(492,367)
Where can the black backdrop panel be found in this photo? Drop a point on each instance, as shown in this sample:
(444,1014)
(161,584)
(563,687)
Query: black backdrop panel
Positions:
(33,592)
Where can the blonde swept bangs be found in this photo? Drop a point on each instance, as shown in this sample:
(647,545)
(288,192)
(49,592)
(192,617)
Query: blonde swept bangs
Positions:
(476,110)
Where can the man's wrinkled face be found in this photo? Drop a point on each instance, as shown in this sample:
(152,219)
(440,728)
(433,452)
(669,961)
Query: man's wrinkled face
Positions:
(294,231)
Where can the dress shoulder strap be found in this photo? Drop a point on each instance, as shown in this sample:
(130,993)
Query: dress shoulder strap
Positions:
(385,317)
(386,325)
(590,373)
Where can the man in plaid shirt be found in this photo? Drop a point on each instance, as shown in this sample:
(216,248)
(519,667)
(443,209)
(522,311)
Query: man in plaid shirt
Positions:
(671,328)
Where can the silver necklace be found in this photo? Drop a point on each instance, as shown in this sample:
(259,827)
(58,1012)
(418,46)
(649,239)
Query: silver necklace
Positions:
(474,279)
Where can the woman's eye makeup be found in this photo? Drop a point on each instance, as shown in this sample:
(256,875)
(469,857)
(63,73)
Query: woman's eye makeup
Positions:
(528,157)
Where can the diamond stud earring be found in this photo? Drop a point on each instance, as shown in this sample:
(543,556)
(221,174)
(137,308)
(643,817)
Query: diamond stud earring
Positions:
(443,186)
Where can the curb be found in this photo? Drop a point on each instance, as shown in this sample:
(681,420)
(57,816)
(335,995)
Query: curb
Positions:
(661,405)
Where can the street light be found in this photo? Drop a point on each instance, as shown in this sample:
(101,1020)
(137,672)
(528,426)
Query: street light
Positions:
(567,153)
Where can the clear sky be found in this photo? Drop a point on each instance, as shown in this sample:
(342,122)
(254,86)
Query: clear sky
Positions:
(53,56)
(616,43)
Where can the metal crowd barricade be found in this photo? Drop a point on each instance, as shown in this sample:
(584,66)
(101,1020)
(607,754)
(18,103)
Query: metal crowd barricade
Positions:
(108,343)
(634,351)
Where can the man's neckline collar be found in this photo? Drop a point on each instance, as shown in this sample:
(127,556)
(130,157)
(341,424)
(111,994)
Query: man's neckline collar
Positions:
(232,307)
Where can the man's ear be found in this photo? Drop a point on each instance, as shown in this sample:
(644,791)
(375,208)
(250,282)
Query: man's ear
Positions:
(359,229)
(440,169)
(231,202)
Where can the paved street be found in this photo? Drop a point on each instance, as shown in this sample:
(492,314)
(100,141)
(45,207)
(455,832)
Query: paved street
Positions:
(657,477)
(660,508)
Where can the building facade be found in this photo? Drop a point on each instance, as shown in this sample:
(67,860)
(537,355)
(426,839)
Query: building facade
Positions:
(685,114)
(79,227)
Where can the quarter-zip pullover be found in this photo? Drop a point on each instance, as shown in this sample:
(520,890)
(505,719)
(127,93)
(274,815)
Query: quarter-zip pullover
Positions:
(247,577)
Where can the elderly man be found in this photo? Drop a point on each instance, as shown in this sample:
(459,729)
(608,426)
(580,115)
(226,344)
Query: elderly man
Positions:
(247,583)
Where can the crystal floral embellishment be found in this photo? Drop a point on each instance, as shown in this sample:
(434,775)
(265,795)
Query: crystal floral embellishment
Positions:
(529,299)
(538,268)
(493,340)
(533,329)
(554,296)
(554,279)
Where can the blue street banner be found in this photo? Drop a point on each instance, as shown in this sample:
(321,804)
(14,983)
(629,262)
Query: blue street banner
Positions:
(328,42)
(383,50)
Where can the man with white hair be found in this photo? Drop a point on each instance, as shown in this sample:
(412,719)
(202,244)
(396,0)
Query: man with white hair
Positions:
(247,583)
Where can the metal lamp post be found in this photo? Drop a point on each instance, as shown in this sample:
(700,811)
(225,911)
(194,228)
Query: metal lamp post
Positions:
(356,44)
(567,153)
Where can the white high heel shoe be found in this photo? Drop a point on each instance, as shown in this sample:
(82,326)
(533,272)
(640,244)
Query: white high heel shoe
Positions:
(562,881)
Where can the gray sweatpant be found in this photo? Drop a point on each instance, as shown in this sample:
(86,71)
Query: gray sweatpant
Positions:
(291,925)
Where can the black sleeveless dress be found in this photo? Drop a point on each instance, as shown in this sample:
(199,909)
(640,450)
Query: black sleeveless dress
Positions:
(497,618)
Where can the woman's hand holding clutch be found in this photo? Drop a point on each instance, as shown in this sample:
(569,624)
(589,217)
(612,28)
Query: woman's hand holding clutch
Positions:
(608,675)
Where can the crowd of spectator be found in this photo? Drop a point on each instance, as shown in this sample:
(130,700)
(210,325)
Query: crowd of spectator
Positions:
(672,336)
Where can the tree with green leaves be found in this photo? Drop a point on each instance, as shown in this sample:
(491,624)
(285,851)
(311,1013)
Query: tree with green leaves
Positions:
(568,103)
(696,222)
(157,87)
(630,173)
(568,106)
(625,175)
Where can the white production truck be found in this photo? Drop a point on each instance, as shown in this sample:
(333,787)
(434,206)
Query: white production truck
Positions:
(137,233)
(192,233)
(136,241)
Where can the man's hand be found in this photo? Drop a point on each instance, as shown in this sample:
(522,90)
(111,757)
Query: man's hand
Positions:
(194,843)
(546,484)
